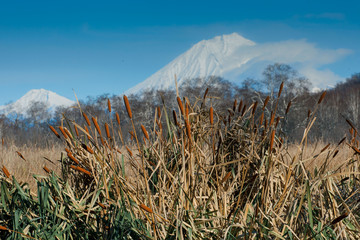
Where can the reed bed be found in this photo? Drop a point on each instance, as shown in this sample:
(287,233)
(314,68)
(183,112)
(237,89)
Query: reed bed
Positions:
(198,174)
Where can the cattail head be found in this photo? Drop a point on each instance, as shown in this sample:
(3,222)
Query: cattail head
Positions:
(254,108)
(206,92)
(109,105)
(235,105)
(147,209)
(322,97)
(158,110)
(80,169)
(46,169)
(180,106)
(266,102)
(21,156)
(272,118)
(129,151)
(72,157)
(63,132)
(86,119)
(96,125)
(261,119)
(52,129)
(76,131)
(6,172)
(175,118)
(107,130)
(3,228)
(127,105)
(272,140)
(240,105)
(280,89)
(288,108)
(211,115)
(144,132)
(117,118)
(188,129)
(87,148)
(227,176)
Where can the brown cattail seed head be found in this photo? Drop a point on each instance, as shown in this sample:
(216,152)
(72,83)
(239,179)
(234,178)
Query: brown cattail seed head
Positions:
(272,139)
(117,118)
(254,108)
(72,157)
(180,106)
(20,155)
(234,106)
(129,151)
(86,119)
(240,106)
(127,105)
(147,209)
(107,131)
(175,118)
(5,171)
(76,131)
(63,132)
(280,89)
(144,132)
(52,129)
(96,125)
(206,92)
(80,169)
(109,105)
(87,148)
(288,108)
(266,102)
(3,228)
(46,169)
(322,97)
(211,115)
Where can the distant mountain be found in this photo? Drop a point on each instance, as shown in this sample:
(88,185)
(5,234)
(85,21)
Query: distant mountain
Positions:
(219,56)
(50,99)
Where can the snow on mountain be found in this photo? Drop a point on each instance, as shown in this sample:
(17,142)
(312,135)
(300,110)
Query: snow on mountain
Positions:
(214,57)
(49,98)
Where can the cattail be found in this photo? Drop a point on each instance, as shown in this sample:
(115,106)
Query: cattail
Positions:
(309,112)
(80,169)
(226,177)
(52,129)
(96,125)
(277,122)
(272,119)
(101,205)
(6,172)
(266,102)
(72,157)
(175,118)
(235,104)
(180,106)
(159,124)
(20,155)
(117,118)
(272,139)
(76,131)
(325,148)
(132,134)
(118,151)
(144,132)
(335,153)
(280,89)
(129,151)
(127,105)
(3,228)
(46,169)
(211,115)
(341,141)
(107,131)
(240,105)
(243,111)
(67,150)
(261,119)
(322,97)
(63,132)
(109,105)
(2,140)
(350,123)
(254,108)
(146,208)
(158,112)
(86,119)
(88,133)
(265,123)
(288,108)
(187,110)
(206,92)
(338,219)
(87,148)
(355,149)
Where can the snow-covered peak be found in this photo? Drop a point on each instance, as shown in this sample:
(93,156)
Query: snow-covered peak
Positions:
(213,57)
(50,99)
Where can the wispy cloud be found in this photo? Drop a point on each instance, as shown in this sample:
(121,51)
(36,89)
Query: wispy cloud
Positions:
(326,15)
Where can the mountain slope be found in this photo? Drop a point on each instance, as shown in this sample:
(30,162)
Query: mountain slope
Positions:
(50,99)
(214,57)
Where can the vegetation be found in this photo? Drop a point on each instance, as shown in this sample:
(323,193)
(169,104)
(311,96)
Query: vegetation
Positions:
(200,170)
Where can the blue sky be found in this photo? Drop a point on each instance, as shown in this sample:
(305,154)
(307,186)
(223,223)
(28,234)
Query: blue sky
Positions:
(108,47)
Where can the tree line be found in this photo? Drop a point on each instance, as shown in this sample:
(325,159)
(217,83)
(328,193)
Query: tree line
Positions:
(341,103)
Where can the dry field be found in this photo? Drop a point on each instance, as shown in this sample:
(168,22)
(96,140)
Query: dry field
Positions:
(197,174)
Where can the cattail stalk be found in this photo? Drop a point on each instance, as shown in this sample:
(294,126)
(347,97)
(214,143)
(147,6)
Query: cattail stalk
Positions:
(211,115)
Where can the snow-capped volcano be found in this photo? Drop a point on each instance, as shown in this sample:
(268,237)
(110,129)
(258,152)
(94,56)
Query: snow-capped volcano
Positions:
(236,58)
(50,99)
(214,57)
